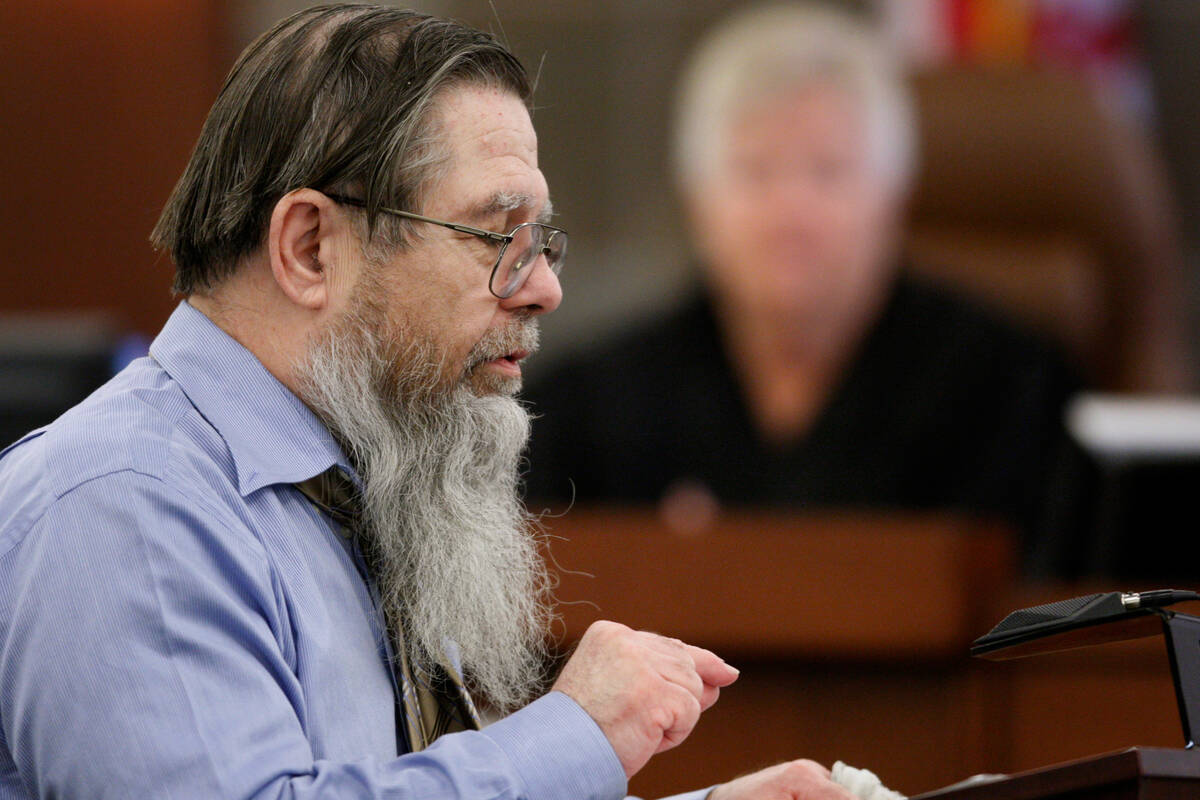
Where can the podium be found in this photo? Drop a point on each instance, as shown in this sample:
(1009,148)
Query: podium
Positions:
(1135,774)
(852,634)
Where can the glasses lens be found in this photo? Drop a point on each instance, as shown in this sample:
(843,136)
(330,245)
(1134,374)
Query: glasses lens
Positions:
(556,250)
(522,251)
(510,273)
(529,242)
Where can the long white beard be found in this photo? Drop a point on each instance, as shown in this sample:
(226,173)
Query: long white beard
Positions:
(450,541)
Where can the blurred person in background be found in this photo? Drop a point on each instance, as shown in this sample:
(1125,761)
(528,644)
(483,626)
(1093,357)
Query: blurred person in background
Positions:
(810,369)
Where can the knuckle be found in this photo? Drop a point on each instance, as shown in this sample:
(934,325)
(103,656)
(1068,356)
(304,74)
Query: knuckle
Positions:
(687,707)
(694,687)
(602,628)
(805,772)
(661,717)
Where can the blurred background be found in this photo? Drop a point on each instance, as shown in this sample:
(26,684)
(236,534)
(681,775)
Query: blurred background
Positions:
(105,102)
(1058,182)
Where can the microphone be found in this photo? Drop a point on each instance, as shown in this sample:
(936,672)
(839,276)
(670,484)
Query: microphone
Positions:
(1065,623)
(1108,617)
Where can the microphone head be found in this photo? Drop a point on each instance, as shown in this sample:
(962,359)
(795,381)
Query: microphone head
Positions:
(1068,624)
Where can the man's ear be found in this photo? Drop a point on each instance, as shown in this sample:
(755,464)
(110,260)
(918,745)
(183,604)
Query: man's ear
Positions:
(301,232)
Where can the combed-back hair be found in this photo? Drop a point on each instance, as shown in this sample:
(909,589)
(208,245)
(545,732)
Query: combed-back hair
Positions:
(336,98)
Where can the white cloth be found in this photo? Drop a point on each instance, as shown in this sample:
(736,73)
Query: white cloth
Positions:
(862,783)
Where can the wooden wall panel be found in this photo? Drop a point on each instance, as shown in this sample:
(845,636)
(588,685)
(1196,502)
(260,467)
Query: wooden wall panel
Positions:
(103,102)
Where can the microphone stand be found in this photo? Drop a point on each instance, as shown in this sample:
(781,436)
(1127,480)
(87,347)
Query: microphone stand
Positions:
(1182,632)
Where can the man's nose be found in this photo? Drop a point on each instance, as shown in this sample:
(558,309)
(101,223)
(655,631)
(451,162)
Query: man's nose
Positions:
(540,294)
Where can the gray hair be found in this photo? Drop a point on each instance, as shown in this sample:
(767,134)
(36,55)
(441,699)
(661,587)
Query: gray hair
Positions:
(335,98)
(445,532)
(772,49)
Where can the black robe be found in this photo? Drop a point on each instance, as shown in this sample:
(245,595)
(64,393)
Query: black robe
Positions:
(945,406)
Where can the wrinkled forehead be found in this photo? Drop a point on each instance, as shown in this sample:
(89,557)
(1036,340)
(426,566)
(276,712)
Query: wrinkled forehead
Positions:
(491,150)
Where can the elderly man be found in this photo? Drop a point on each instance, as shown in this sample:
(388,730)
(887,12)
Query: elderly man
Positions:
(284,555)
(810,370)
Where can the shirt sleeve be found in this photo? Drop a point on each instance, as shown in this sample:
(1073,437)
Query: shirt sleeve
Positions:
(141,656)
(536,733)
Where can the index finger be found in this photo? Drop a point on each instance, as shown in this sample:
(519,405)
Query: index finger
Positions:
(711,668)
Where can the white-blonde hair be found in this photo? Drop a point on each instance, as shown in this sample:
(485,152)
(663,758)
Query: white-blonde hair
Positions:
(773,49)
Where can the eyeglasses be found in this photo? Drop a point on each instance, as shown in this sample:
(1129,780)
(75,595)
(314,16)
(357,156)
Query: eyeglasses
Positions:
(519,248)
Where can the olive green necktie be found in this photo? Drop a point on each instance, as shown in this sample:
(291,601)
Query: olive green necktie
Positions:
(433,701)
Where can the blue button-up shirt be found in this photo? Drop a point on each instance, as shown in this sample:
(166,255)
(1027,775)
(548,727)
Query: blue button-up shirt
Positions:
(177,621)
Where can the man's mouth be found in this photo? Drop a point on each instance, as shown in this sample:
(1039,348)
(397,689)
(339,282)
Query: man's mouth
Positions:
(499,353)
(510,362)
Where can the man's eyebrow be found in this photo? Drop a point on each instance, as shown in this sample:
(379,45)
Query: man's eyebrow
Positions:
(504,202)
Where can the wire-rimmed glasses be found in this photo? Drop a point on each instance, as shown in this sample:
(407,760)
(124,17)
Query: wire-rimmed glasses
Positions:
(519,248)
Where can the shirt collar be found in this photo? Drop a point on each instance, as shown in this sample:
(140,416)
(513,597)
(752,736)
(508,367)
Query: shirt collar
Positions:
(272,436)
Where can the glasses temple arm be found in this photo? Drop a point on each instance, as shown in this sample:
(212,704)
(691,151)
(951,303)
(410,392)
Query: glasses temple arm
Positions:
(454,226)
